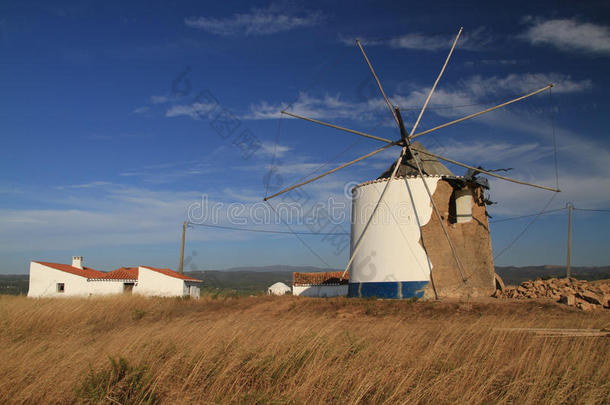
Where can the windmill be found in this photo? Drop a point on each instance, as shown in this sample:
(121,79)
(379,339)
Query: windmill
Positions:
(419,230)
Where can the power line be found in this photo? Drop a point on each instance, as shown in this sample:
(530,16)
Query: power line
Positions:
(527,216)
(593,210)
(525,229)
(313,252)
(234,228)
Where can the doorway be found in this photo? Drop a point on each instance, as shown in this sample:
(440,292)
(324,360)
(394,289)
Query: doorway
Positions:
(128,288)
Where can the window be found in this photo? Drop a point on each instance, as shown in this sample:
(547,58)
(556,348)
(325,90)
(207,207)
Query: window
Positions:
(460,206)
(60,287)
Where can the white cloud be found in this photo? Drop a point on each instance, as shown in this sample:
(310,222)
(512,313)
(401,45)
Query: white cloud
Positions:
(272,149)
(92,184)
(170,172)
(102,214)
(140,110)
(569,35)
(328,106)
(490,152)
(523,83)
(257,22)
(351,40)
(159,99)
(420,41)
(472,41)
(195,110)
(514,199)
(473,90)
(125,215)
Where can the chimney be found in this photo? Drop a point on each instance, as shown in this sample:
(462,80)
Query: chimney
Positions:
(77,261)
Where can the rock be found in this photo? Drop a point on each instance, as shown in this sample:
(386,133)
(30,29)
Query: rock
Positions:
(573,292)
(591,297)
(568,299)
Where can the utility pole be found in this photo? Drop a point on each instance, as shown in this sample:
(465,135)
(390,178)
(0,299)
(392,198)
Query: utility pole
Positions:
(180,268)
(569,257)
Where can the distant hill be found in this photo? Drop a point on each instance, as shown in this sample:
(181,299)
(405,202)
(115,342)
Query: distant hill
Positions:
(14,284)
(252,280)
(240,281)
(275,268)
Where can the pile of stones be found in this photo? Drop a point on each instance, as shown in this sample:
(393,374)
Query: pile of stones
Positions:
(570,291)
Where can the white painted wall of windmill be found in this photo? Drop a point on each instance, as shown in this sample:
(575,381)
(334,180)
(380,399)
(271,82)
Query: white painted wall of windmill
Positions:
(44,280)
(391,250)
(323,291)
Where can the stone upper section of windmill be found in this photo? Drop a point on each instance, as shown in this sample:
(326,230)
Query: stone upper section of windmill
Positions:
(430,166)
(471,239)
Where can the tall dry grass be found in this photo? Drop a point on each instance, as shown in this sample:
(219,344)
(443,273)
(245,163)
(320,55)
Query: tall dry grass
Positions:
(290,350)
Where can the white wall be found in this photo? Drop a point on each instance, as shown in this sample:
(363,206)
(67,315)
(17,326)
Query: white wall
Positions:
(43,282)
(320,290)
(106,287)
(278,289)
(192,288)
(391,249)
(151,282)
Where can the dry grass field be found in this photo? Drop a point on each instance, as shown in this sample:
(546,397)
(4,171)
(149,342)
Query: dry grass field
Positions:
(289,350)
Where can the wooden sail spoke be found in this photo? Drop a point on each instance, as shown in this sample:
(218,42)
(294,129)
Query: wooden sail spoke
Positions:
(438,78)
(331,171)
(413,136)
(486,172)
(368,62)
(351,131)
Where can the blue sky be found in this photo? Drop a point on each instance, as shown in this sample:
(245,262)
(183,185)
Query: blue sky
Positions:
(110,128)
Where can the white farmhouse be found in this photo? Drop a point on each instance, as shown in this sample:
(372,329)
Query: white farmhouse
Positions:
(278,289)
(62,280)
(322,284)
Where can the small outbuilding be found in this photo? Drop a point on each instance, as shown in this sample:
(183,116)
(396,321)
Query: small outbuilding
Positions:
(322,284)
(278,289)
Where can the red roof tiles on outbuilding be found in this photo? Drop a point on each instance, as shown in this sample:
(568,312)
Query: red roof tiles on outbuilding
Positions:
(171,273)
(84,272)
(123,273)
(321,278)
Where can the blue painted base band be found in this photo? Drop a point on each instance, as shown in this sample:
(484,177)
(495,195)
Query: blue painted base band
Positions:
(392,289)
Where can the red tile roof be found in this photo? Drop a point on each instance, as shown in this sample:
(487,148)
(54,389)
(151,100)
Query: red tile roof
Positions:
(84,272)
(171,273)
(123,273)
(322,278)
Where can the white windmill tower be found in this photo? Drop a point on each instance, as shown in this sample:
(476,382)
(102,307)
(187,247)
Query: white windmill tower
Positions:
(419,230)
